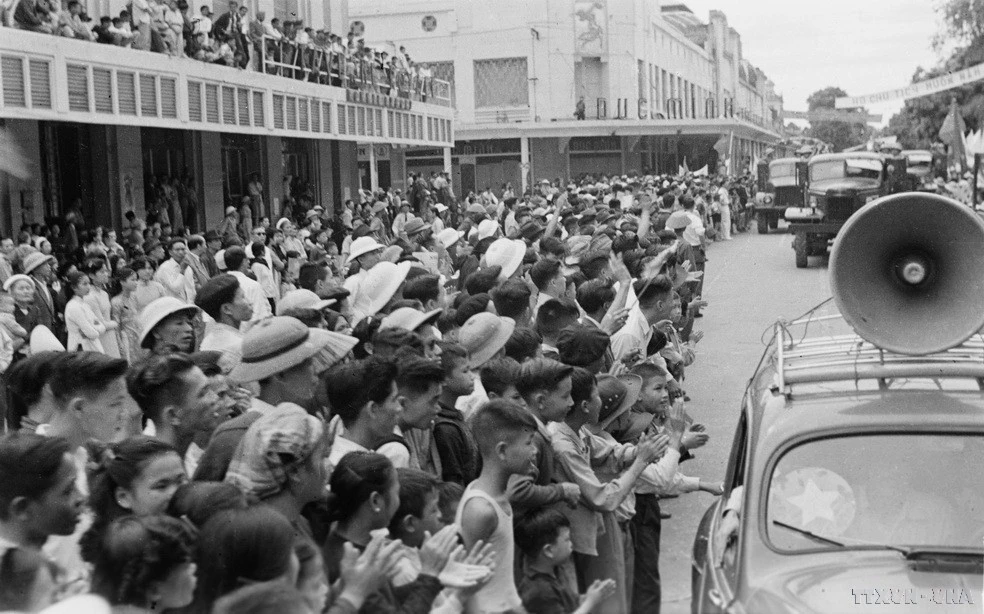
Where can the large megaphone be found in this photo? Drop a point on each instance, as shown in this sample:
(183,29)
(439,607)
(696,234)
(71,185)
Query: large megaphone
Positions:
(907,273)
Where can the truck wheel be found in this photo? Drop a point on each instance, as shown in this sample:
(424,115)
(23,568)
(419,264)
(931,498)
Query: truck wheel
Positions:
(802,247)
(762,222)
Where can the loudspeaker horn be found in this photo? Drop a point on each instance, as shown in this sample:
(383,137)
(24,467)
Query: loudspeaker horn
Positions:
(907,273)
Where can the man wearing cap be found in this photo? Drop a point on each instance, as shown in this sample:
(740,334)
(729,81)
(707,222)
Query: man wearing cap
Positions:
(175,273)
(224,301)
(166,325)
(278,354)
(228,228)
(367,252)
(38,266)
(484,337)
(237,265)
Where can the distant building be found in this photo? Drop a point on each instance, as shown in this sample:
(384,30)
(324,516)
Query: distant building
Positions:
(660,87)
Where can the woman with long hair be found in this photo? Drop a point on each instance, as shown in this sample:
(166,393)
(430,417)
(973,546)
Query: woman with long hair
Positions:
(85,328)
(137,476)
(123,310)
(98,300)
(145,564)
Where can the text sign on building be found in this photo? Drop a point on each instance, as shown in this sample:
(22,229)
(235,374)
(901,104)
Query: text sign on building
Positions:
(378,100)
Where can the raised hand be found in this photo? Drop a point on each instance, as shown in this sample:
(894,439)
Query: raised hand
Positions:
(437,549)
(598,592)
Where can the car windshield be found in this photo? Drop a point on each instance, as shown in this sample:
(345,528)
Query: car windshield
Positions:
(839,169)
(782,169)
(911,490)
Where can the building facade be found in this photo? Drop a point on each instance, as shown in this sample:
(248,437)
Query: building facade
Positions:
(561,88)
(94,126)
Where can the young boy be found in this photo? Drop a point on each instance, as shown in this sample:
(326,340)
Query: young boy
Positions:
(661,479)
(600,554)
(545,386)
(499,377)
(417,514)
(544,538)
(455,445)
(504,433)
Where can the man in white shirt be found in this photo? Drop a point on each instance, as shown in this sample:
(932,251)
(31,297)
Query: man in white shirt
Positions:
(203,23)
(401,219)
(367,252)
(224,300)
(725,198)
(175,273)
(237,265)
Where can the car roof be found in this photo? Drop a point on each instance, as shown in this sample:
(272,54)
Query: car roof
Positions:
(817,375)
(784,161)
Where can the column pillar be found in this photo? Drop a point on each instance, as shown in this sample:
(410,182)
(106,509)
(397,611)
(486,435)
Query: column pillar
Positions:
(373,169)
(209,162)
(446,159)
(272,176)
(524,161)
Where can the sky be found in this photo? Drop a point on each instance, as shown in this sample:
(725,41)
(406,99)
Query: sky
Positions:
(861,46)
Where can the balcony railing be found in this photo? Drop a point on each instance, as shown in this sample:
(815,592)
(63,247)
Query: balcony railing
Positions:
(318,64)
(44,77)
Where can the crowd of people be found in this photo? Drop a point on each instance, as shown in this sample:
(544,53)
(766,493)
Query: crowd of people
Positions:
(400,406)
(233,38)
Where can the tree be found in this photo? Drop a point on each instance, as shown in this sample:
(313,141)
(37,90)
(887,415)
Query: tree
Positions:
(841,135)
(918,124)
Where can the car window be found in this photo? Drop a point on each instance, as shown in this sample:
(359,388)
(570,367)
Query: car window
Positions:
(839,169)
(782,169)
(923,490)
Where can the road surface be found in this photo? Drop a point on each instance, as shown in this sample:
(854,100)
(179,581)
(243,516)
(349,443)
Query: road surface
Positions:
(750,282)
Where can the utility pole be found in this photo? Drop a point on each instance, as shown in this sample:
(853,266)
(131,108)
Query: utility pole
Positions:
(534,36)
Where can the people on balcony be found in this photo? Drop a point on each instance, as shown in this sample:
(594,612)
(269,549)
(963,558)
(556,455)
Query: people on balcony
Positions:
(288,49)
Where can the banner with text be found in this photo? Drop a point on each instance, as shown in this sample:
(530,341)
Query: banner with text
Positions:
(923,88)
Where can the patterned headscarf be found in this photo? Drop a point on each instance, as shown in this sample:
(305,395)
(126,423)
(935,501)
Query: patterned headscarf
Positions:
(282,438)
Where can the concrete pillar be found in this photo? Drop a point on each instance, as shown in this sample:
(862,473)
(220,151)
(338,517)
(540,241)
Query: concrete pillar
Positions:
(524,161)
(373,169)
(348,169)
(20,196)
(325,183)
(447,159)
(398,169)
(208,167)
(272,175)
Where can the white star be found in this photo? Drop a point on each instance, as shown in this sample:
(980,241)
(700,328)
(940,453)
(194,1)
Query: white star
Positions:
(815,503)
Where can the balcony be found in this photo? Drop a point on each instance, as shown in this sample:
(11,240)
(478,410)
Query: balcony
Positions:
(59,79)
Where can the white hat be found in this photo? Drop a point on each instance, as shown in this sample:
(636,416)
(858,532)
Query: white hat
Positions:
(34,260)
(302,299)
(43,340)
(13,279)
(441,207)
(362,246)
(448,237)
(378,287)
(507,253)
(282,222)
(220,260)
(409,318)
(487,228)
(158,310)
(483,335)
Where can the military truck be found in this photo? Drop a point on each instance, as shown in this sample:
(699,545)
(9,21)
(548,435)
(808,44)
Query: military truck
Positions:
(781,184)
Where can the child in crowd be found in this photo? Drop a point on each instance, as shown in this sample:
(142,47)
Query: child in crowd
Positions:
(545,386)
(599,553)
(504,432)
(499,377)
(544,538)
(455,444)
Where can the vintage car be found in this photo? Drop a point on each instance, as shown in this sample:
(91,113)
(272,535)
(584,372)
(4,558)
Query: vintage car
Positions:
(839,185)
(919,166)
(781,185)
(854,478)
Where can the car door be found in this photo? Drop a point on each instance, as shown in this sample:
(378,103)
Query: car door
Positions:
(720,572)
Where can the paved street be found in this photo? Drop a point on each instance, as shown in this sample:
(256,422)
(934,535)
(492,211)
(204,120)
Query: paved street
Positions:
(751,281)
